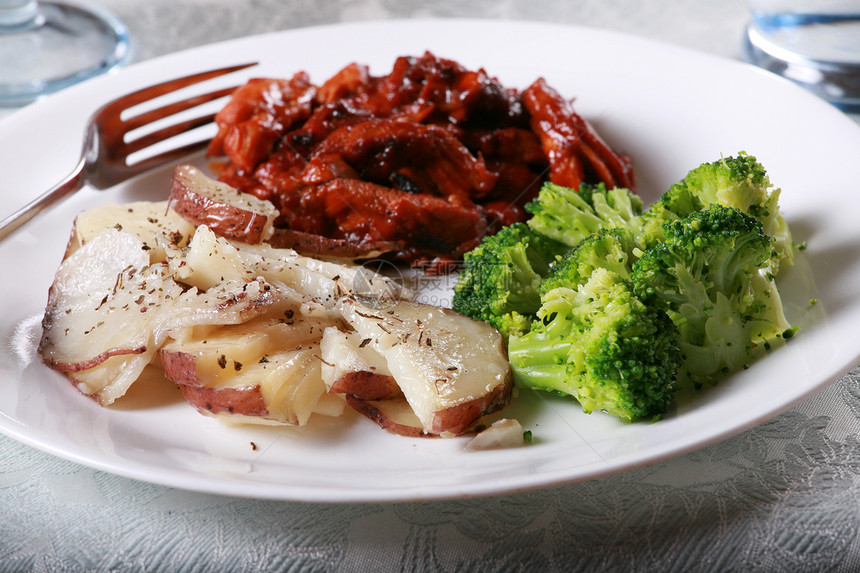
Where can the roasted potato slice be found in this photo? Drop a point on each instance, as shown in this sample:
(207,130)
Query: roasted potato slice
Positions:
(229,213)
(452,369)
(266,370)
(154,223)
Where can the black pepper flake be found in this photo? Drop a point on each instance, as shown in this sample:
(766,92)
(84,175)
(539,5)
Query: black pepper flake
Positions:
(364,343)
(222,361)
(237,366)
(289,313)
(264,360)
(253,446)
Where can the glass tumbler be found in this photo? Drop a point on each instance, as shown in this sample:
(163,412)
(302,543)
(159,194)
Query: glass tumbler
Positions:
(48,45)
(815,43)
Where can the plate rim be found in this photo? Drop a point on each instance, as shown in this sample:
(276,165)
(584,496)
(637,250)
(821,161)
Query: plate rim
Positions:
(287,492)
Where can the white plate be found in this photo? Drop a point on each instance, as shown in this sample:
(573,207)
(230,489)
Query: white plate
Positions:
(671,109)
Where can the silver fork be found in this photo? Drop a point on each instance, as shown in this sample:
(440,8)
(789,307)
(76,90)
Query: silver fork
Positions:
(104,159)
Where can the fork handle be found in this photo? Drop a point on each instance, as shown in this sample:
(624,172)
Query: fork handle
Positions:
(72,182)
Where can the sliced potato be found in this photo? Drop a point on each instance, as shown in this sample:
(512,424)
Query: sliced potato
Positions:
(226,350)
(504,433)
(352,366)
(451,369)
(101,323)
(109,311)
(265,370)
(366,385)
(228,212)
(254,333)
(102,303)
(325,281)
(231,302)
(395,415)
(210,260)
(111,379)
(154,223)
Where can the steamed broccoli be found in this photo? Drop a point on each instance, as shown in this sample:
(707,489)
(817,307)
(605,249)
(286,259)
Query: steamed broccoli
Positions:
(739,182)
(599,343)
(501,279)
(708,276)
(611,249)
(618,306)
(570,215)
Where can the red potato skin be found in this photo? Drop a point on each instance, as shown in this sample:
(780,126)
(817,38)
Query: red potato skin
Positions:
(375,412)
(462,418)
(228,221)
(367,386)
(456,420)
(244,401)
(181,368)
(91,363)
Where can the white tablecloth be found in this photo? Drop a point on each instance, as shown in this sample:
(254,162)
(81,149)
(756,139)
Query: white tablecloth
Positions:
(781,497)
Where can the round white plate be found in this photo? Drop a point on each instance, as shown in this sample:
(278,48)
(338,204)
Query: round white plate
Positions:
(669,108)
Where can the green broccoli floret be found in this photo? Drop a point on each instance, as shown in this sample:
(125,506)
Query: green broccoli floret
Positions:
(501,278)
(619,307)
(611,249)
(708,275)
(600,344)
(570,215)
(739,182)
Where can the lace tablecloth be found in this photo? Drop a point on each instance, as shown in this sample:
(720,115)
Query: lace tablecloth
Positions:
(784,496)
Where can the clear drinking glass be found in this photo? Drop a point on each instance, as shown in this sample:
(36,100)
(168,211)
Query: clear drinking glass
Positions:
(46,46)
(815,43)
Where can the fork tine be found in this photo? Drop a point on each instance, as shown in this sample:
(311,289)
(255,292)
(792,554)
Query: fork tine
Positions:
(174,108)
(166,157)
(101,167)
(151,92)
(166,133)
